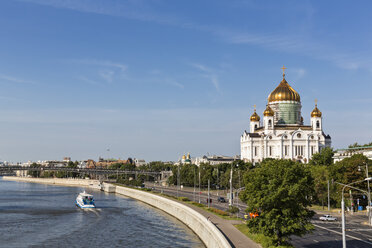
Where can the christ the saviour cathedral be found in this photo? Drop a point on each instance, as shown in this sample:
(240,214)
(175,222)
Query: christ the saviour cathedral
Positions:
(282,133)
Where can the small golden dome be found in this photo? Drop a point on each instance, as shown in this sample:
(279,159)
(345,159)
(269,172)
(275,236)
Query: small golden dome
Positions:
(284,92)
(268,111)
(184,157)
(255,117)
(316,112)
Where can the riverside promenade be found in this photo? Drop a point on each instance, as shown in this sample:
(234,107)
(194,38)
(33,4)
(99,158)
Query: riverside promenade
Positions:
(235,237)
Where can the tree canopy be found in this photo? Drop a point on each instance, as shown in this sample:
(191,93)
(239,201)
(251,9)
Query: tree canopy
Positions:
(324,157)
(281,190)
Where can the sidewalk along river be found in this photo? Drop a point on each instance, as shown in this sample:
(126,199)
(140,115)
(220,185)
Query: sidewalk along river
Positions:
(37,215)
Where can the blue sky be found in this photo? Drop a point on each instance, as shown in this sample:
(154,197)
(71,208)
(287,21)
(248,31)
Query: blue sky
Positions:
(156,79)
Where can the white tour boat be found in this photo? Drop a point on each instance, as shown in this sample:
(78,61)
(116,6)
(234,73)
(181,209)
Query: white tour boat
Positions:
(84,200)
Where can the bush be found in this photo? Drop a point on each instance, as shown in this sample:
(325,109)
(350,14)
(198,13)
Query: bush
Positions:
(233,209)
(198,204)
(185,199)
(218,211)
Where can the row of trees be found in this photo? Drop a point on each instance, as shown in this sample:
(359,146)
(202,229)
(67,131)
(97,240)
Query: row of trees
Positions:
(218,175)
(348,170)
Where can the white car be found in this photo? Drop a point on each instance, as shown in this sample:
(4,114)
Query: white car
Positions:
(327,217)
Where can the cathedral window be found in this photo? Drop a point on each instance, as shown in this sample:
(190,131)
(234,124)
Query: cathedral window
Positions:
(255,150)
(286,148)
(270,123)
(270,151)
(317,124)
(255,126)
(298,135)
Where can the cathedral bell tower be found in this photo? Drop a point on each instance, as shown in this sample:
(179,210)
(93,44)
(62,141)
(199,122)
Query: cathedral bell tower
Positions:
(255,121)
(268,120)
(316,118)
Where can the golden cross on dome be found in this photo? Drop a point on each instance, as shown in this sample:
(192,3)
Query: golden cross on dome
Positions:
(316,102)
(283,68)
(254,106)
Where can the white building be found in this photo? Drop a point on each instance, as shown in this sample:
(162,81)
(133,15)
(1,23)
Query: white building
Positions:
(214,160)
(282,133)
(348,152)
(139,162)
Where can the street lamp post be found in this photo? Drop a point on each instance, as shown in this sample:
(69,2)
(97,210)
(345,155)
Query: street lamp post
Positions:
(343,209)
(369,197)
(178,179)
(231,176)
(199,184)
(194,182)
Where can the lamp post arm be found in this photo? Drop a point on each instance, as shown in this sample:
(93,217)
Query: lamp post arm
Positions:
(348,185)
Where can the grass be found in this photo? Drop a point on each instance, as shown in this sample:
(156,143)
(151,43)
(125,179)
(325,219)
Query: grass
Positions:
(320,208)
(264,241)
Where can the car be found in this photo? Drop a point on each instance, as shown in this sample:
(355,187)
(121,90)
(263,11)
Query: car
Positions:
(253,215)
(327,217)
(221,199)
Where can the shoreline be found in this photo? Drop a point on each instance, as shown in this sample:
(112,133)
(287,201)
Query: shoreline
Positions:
(207,232)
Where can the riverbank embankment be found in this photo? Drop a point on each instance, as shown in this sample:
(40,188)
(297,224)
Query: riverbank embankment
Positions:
(57,181)
(205,229)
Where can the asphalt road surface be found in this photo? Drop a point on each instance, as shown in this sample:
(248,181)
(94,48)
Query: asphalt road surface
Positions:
(327,234)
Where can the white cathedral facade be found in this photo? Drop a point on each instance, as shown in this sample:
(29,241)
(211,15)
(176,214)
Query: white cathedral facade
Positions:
(282,133)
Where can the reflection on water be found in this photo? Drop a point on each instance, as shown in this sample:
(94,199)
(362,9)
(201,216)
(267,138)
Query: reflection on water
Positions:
(37,215)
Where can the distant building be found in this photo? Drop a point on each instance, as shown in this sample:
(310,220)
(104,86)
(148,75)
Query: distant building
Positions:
(139,162)
(105,163)
(214,160)
(67,159)
(186,159)
(348,152)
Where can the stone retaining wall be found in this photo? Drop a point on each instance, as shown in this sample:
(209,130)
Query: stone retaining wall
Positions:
(205,229)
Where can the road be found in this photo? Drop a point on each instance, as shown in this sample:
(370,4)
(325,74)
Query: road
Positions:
(203,198)
(329,234)
(326,234)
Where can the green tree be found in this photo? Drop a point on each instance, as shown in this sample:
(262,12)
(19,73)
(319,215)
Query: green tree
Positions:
(321,176)
(34,173)
(281,191)
(324,157)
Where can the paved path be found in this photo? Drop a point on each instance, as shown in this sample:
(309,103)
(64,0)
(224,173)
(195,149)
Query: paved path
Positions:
(234,236)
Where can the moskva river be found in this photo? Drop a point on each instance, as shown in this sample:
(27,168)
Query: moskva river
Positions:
(36,215)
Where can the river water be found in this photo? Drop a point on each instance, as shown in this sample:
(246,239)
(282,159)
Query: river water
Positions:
(37,215)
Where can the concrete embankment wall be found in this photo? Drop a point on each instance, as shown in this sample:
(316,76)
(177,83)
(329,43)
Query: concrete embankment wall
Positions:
(57,181)
(206,230)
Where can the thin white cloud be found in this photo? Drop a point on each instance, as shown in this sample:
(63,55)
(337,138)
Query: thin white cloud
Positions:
(131,9)
(177,84)
(104,63)
(89,81)
(15,79)
(107,75)
(208,73)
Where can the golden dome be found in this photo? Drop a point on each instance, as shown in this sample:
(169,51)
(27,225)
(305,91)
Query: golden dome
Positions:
(255,116)
(184,157)
(284,92)
(316,112)
(268,111)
